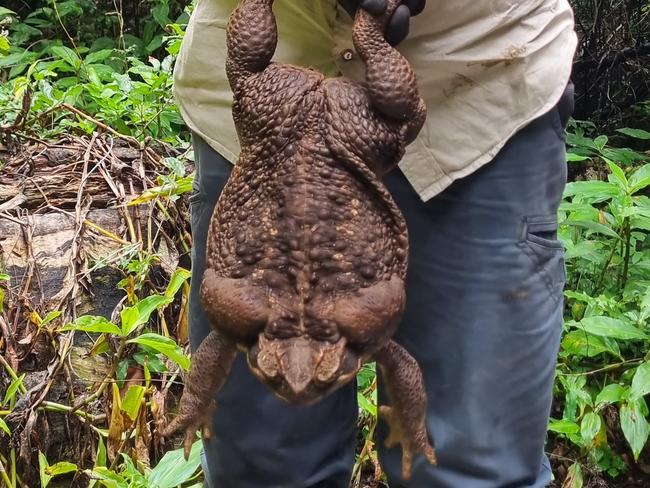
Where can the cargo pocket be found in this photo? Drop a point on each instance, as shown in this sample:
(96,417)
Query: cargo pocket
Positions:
(540,243)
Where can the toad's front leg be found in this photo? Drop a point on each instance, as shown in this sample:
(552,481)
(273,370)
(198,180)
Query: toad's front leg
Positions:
(407,413)
(211,365)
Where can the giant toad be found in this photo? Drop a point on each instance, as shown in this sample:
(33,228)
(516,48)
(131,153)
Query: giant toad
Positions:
(307,251)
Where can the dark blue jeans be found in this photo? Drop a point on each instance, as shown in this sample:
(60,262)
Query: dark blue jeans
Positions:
(483,319)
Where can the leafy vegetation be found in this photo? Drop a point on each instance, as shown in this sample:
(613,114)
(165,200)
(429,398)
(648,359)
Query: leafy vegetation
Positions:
(84,67)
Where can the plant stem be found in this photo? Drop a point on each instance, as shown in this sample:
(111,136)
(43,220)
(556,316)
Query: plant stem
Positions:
(609,367)
(626,260)
(603,272)
(3,475)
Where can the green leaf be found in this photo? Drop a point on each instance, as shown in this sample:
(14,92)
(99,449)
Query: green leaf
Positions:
(640,178)
(636,133)
(68,55)
(165,346)
(612,393)
(575,157)
(635,427)
(4,426)
(139,313)
(365,404)
(173,470)
(54,314)
(589,426)
(641,381)
(133,400)
(99,56)
(161,14)
(93,323)
(5,11)
(617,174)
(594,227)
(13,388)
(4,277)
(4,44)
(574,478)
(580,343)
(42,470)
(592,191)
(179,277)
(109,478)
(600,142)
(563,426)
(610,327)
(60,468)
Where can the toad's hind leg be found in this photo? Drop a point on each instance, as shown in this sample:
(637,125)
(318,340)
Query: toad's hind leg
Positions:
(407,413)
(211,365)
(251,37)
(389,77)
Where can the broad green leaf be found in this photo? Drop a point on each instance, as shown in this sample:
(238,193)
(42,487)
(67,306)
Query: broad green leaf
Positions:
(4,44)
(575,157)
(109,478)
(600,142)
(595,227)
(165,346)
(42,470)
(641,381)
(93,323)
(365,404)
(54,314)
(618,175)
(13,388)
(60,468)
(4,11)
(612,393)
(635,427)
(592,191)
(4,426)
(161,13)
(574,478)
(583,344)
(133,400)
(4,277)
(610,327)
(68,55)
(563,426)
(636,133)
(99,56)
(589,426)
(173,470)
(180,276)
(139,314)
(640,178)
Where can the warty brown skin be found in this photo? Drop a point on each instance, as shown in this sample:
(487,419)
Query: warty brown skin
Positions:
(307,251)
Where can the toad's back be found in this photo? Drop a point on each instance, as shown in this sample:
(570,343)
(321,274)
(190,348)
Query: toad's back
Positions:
(303,216)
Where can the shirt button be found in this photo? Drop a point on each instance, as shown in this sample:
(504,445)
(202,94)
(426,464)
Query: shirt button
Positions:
(347,54)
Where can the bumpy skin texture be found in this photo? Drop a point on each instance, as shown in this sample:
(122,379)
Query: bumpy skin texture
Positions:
(307,252)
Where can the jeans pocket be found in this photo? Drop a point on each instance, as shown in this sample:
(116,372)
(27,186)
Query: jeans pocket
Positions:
(540,243)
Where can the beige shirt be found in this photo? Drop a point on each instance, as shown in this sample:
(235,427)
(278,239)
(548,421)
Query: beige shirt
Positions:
(485,69)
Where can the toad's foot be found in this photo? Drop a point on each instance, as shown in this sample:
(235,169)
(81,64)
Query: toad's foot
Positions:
(210,367)
(413,441)
(193,415)
(407,413)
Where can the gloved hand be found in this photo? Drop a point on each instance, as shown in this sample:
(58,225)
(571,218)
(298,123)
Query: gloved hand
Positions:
(398,25)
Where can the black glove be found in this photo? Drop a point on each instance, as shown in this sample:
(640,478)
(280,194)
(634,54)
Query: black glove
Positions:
(398,25)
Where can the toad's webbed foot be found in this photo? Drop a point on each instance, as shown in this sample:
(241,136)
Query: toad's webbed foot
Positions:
(413,439)
(193,415)
(211,365)
(407,413)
